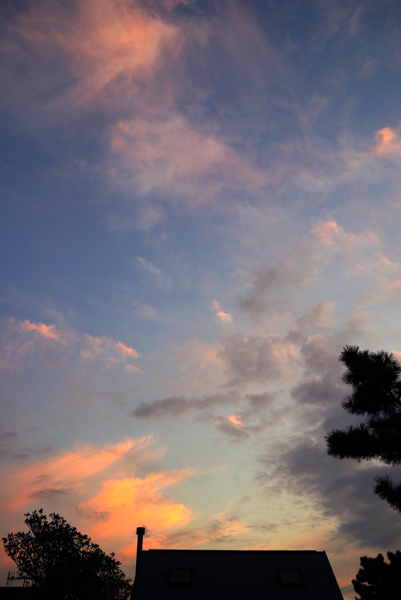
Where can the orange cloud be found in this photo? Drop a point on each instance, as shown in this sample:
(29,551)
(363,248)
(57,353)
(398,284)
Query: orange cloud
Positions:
(106,40)
(19,339)
(224,317)
(388,141)
(172,156)
(48,331)
(132,501)
(68,471)
(96,488)
(236,420)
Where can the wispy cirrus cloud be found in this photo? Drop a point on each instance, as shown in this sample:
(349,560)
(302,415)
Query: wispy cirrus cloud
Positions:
(101,44)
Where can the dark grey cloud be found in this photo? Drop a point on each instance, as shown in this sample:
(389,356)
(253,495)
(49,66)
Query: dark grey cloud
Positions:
(256,358)
(319,316)
(283,275)
(8,436)
(50,493)
(220,530)
(90,514)
(6,440)
(237,433)
(321,387)
(256,403)
(250,418)
(340,489)
(267,527)
(325,390)
(174,406)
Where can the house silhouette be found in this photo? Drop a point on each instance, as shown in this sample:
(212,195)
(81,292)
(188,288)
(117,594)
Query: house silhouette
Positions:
(233,575)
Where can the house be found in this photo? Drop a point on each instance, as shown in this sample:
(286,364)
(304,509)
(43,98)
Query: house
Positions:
(233,575)
(22,593)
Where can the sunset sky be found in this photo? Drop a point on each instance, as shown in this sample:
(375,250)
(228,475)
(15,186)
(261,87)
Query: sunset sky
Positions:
(200,207)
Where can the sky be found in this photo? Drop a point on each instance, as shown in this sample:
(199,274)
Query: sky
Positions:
(200,207)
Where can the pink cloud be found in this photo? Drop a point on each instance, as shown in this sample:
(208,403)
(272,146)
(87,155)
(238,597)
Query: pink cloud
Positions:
(330,234)
(113,352)
(23,339)
(174,157)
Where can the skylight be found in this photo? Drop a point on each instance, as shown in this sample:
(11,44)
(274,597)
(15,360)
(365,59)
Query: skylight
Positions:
(180,577)
(290,578)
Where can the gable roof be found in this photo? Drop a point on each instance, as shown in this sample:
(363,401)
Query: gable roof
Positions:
(235,575)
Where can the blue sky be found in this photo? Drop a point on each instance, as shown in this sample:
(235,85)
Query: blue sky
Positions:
(200,208)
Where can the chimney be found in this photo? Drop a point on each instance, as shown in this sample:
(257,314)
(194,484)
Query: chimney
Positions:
(140,532)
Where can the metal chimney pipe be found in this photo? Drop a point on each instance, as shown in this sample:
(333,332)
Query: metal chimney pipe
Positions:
(140,532)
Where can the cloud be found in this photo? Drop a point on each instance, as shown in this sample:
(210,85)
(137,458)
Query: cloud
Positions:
(167,4)
(319,316)
(200,367)
(25,339)
(326,390)
(221,529)
(69,470)
(248,419)
(174,406)
(132,500)
(388,142)
(282,276)
(145,311)
(8,436)
(330,234)
(255,404)
(96,488)
(232,426)
(256,358)
(103,45)
(163,279)
(343,490)
(175,158)
(225,318)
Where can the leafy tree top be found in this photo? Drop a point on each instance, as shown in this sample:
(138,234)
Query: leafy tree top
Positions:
(379,580)
(60,559)
(376,381)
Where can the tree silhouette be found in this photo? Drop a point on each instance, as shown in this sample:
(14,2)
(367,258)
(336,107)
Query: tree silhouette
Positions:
(65,563)
(376,382)
(378,580)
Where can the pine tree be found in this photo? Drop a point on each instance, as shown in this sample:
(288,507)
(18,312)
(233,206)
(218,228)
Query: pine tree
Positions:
(376,382)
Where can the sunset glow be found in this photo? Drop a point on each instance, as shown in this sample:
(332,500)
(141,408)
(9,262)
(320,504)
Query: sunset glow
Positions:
(200,209)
